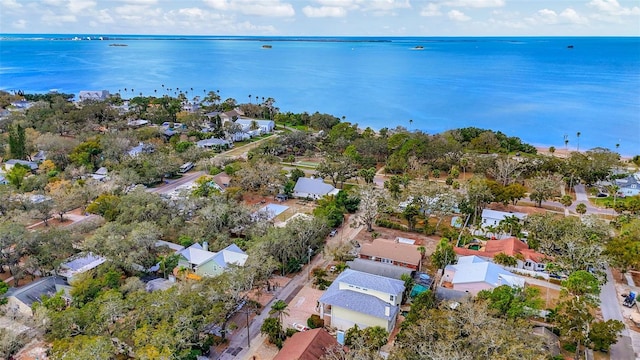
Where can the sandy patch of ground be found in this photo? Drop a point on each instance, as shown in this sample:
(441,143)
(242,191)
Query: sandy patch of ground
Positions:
(302,306)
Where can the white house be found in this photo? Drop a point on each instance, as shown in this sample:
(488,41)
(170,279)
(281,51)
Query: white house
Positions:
(629,186)
(214,143)
(96,95)
(79,264)
(472,274)
(263,126)
(493,217)
(313,188)
(359,298)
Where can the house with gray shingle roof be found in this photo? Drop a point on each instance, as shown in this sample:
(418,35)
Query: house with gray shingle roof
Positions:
(22,298)
(358,298)
(313,188)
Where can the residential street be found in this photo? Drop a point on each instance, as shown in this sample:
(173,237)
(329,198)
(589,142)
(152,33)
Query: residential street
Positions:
(610,306)
(238,340)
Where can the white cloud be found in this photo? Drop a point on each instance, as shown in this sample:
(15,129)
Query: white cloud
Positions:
(10,4)
(19,24)
(572,16)
(567,16)
(104,17)
(139,2)
(431,9)
(457,15)
(474,3)
(613,7)
(324,11)
(77,6)
(55,19)
(267,8)
(385,5)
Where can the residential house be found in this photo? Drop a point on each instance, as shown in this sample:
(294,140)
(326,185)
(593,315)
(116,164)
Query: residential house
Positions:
(214,143)
(141,148)
(378,268)
(9,164)
(629,186)
(95,95)
(40,156)
(222,180)
(21,299)
(202,262)
(528,259)
(260,126)
(307,345)
(358,298)
(137,123)
(493,217)
(472,274)
(22,104)
(100,174)
(393,253)
(313,188)
(79,264)
(231,115)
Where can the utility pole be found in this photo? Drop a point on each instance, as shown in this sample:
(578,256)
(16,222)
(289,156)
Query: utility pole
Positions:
(309,252)
(248,337)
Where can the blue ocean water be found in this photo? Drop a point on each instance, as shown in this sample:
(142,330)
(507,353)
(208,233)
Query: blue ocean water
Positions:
(536,88)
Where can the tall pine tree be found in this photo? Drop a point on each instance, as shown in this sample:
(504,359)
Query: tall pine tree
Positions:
(17,142)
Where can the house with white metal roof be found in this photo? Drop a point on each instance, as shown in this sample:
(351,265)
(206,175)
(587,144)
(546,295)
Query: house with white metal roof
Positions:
(79,264)
(202,262)
(313,188)
(359,298)
(472,274)
(493,217)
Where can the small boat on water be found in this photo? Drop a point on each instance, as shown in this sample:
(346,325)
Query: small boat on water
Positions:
(419,47)
(570,47)
(118,45)
(267,46)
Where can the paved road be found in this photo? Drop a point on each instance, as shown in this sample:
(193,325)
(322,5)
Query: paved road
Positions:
(171,185)
(610,306)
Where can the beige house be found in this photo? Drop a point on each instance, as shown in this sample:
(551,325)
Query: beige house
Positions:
(21,299)
(358,298)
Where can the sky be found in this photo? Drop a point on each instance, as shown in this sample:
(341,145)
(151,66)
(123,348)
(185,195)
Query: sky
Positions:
(324,17)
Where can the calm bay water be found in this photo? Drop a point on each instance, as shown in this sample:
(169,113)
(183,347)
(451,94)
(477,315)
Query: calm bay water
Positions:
(534,88)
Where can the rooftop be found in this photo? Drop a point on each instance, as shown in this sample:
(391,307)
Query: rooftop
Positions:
(34,291)
(389,249)
(307,345)
(315,186)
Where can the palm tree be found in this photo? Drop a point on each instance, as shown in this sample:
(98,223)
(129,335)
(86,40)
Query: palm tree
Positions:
(410,123)
(578,136)
(249,98)
(581,209)
(566,144)
(552,149)
(279,309)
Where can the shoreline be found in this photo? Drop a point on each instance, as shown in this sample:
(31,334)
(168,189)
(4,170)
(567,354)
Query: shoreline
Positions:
(564,153)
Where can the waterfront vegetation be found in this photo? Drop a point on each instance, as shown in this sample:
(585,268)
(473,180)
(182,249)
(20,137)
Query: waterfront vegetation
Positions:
(392,178)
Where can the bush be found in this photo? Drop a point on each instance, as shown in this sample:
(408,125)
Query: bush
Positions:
(429,229)
(449,180)
(290,331)
(314,322)
(390,225)
(570,347)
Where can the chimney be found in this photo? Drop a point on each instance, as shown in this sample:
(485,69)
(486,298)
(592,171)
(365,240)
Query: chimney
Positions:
(387,311)
(205,246)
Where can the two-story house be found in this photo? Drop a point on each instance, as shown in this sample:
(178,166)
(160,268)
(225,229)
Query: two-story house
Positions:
(358,298)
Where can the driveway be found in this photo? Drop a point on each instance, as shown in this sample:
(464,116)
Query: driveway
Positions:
(610,306)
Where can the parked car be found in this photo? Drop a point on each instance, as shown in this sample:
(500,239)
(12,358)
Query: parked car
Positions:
(333,232)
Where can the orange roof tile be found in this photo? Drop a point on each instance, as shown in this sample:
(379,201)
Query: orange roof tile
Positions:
(307,345)
(510,246)
(388,249)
